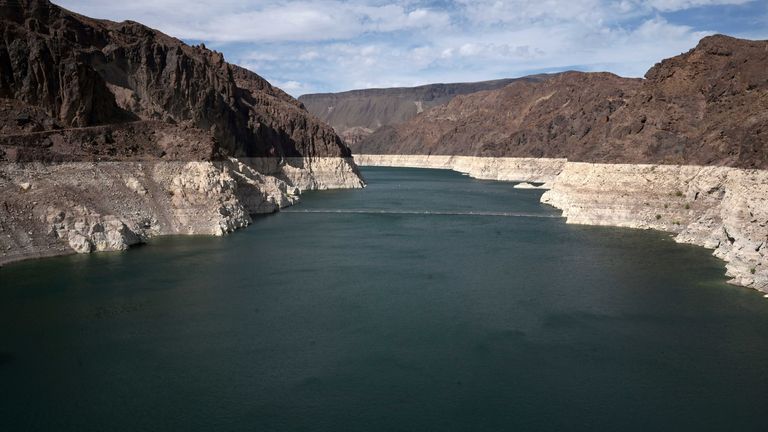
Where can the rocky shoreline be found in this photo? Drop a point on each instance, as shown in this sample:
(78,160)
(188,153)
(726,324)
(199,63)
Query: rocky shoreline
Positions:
(484,168)
(719,208)
(82,207)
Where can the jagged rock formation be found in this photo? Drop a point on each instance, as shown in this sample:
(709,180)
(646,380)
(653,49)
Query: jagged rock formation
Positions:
(57,208)
(111,133)
(708,107)
(358,113)
(86,72)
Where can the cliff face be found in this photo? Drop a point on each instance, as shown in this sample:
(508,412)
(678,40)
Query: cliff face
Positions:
(111,133)
(708,106)
(356,114)
(523,119)
(720,208)
(85,72)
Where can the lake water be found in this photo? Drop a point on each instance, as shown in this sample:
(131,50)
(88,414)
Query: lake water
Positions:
(428,301)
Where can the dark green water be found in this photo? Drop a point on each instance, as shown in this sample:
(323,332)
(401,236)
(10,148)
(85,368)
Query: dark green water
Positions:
(387,321)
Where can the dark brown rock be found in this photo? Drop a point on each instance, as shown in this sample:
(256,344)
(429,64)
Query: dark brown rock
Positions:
(708,107)
(84,72)
(356,114)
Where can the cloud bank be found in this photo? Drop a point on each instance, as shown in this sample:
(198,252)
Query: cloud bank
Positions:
(308,46)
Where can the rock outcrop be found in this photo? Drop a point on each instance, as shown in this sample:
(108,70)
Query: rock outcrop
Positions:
(358,113)
(48,209)
(111,133)
(705,107)
(724,209)
(85,72)
(720,208)
(683,151)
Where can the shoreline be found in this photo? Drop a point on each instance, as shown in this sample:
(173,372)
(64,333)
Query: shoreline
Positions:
(58,209)
(719,208)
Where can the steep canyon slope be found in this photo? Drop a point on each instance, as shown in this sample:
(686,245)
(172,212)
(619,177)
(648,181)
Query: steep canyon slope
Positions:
(684,150)
(358,113)
(708,106)
(111,133)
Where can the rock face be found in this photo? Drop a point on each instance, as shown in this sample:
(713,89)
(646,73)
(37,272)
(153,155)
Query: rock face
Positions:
(86,207)
(358,113)
(724,209)
(720,208)
(706,107)
(660,150)
(523,119)
(85,72)
(111,133)
(485,168)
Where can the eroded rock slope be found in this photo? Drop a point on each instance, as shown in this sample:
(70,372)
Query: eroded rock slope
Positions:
(358,113)
(705,107)
(111,133)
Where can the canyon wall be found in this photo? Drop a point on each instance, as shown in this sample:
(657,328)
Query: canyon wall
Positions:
(535,170)
(683,150)
(720,208)
(708,106)
(52,209)
(112,133)
(725,209)
(356,114)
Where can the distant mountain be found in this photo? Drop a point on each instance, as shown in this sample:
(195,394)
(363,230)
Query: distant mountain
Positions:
(356,114)
(708,106)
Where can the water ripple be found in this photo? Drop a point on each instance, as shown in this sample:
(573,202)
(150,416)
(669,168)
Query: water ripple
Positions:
(425,213)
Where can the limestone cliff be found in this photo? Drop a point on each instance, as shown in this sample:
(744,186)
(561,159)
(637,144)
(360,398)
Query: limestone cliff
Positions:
(51,209)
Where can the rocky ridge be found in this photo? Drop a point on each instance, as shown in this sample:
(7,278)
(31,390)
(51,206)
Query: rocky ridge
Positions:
(705,107)
(356,114)
(86,72)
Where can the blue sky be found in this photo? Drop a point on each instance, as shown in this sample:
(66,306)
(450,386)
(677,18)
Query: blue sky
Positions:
(307,46)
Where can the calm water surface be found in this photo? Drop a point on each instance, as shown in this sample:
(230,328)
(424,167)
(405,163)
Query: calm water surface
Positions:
(425,302)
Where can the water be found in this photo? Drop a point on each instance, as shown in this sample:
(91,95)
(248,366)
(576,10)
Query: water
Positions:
(428,301)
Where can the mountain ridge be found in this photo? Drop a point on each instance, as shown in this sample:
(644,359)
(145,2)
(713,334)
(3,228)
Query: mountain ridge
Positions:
(708,106)
(84,72)
(354,114)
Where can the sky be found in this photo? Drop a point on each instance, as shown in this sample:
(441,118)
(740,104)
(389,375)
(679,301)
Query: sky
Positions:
(311,46)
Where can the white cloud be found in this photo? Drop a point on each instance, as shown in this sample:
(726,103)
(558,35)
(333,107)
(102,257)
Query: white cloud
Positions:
(320,45)
(290,86)
(676,5)
(265,21)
